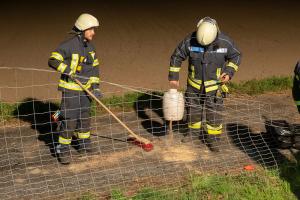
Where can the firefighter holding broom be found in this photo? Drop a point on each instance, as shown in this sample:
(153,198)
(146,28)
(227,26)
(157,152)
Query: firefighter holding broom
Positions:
(76,58)
(213,60)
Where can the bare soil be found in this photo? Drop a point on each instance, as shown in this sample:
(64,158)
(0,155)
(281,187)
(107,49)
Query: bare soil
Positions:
(30,170)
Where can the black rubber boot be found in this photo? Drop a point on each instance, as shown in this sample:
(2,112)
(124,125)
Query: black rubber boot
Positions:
(213,143)
(63,153)
(85,145)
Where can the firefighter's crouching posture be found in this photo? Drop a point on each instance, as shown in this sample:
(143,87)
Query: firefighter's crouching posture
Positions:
(76,58)
(213,59)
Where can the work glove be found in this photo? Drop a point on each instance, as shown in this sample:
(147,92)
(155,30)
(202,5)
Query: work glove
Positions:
(97,93)
(224,91)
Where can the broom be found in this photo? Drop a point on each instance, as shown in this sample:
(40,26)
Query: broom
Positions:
(136,139)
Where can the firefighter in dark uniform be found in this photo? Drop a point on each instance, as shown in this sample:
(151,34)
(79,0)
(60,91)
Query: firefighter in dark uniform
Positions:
(213,60)
(296,86)
(296,96)
(76,58)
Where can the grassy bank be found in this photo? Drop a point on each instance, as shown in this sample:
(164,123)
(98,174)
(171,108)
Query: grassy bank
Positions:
(260,185)
(128,101)
(255,87)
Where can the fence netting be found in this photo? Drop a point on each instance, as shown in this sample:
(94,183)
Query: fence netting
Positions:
(29,168)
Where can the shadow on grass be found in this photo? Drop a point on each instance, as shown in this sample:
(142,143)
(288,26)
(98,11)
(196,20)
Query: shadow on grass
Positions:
(38,114)
(290,172)
(148,107)
(263,149)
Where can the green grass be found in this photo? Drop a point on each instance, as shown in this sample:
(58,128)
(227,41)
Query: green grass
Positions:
(282,183)
(255,87)
(6,111)
(127,101)
(258,185)
(290,173)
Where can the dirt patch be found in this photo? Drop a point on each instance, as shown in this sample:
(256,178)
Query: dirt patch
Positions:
(179,154)
(100,161)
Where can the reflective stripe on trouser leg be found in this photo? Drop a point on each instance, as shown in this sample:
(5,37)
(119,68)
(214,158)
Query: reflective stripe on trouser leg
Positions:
(83,135)
(62,140)
(214,130)
(196,125)
(213,109)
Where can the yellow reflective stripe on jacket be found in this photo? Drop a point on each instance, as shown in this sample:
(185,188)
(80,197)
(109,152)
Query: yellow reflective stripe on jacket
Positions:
(57,56)
(69,85)
(297,103)
(83,135)
(94,80)
(96,62)
(73,86)
(81,59)
(214,130)
(197,81)
(218,72)
(62,67)
(193,71)
(234,66)
(209,83)
(211,88)
(174,69)
(74,63)
(196,125)
(195,85)
(62,140)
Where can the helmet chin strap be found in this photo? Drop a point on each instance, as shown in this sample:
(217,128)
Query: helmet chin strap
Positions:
(75,31)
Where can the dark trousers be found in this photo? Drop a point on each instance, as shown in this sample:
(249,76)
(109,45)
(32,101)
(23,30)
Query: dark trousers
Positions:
(200,105)
(296,93)
(75,109)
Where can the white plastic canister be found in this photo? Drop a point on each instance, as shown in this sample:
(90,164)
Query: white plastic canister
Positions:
(173,105)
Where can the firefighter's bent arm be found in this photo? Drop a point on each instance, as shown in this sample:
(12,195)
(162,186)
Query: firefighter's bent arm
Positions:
(57,60)
(233,59)
(178,56)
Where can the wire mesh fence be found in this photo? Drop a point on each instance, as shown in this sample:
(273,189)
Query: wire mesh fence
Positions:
(29,168)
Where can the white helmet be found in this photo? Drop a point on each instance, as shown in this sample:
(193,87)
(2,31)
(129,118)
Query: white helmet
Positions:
(207,31)
(86,21)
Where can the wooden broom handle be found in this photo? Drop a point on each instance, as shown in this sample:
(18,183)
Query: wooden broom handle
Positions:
(110,112)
